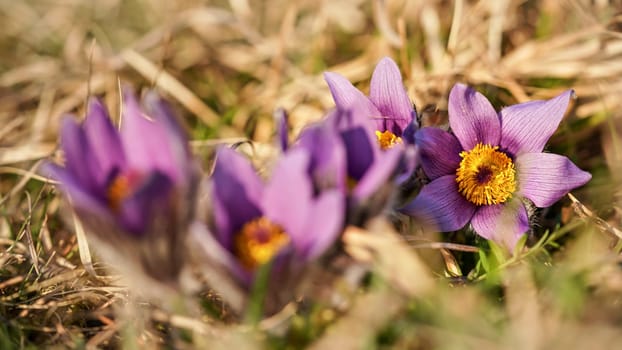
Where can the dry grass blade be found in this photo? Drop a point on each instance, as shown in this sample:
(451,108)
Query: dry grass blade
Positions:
(526,328)
(586,213)
(384,25)
(171,85)
(27,175)
(451,265)
(444,245)
(83,246)
(32,251)
(356,330)
(25,153)
(391,256)
(41,286)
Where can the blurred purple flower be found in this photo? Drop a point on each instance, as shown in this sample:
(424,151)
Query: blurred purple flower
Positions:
(388,105)
(280,221)
(132,184)
(491,162)
(344,155)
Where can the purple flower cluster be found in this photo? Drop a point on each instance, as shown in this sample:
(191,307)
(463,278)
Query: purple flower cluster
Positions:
(336,173)
(137,185)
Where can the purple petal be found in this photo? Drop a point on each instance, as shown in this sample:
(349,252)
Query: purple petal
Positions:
(176,138)
(328,156)
(77,193)
(388,94)
(472,118)
(545,178)
(320,234)
(439,151)
(218,256)
(236,194)
(280,119)
(502,223)
(147,142)
(150,204)
(162,111)
(287,197)
(360,153)
(347,96)
(441,205)
(104,140)
(351,118)
(526,127)
(79,156)
(409,164)
(408,135)
(358,138)
(379,173)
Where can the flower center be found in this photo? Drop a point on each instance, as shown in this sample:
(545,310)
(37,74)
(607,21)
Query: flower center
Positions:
(121,187)
(387,139)
(258,242)
(117,190)
(486,175)
(351,183)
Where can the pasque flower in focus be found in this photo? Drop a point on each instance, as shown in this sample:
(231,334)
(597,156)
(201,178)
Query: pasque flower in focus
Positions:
(132,187)
(490,163)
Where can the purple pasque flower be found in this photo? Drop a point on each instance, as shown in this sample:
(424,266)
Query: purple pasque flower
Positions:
(132,184)
(388,105)
(281,221)
(344,155)
(490,163)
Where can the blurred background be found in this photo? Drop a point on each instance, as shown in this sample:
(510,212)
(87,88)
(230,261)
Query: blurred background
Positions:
(227,65)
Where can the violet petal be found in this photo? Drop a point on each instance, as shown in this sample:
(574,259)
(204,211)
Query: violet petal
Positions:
(347,96)
(545,178)
(408,135)
(218,255)
(78,154)
(147,142)
(77,193)
(379,173)
(472,118)
(328,162)
(281,120)
(502,223)
(289,181)
(439,152)
(320,233)
(176,137)
(439,204)
(388,94)
(104,140)
(526,127)
(150,202)
(360,153)
(236,194)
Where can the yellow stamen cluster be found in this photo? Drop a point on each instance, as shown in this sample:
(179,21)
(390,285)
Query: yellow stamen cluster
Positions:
(486,175)
(258,242)
(351,183)
(118,190)
(387,139)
